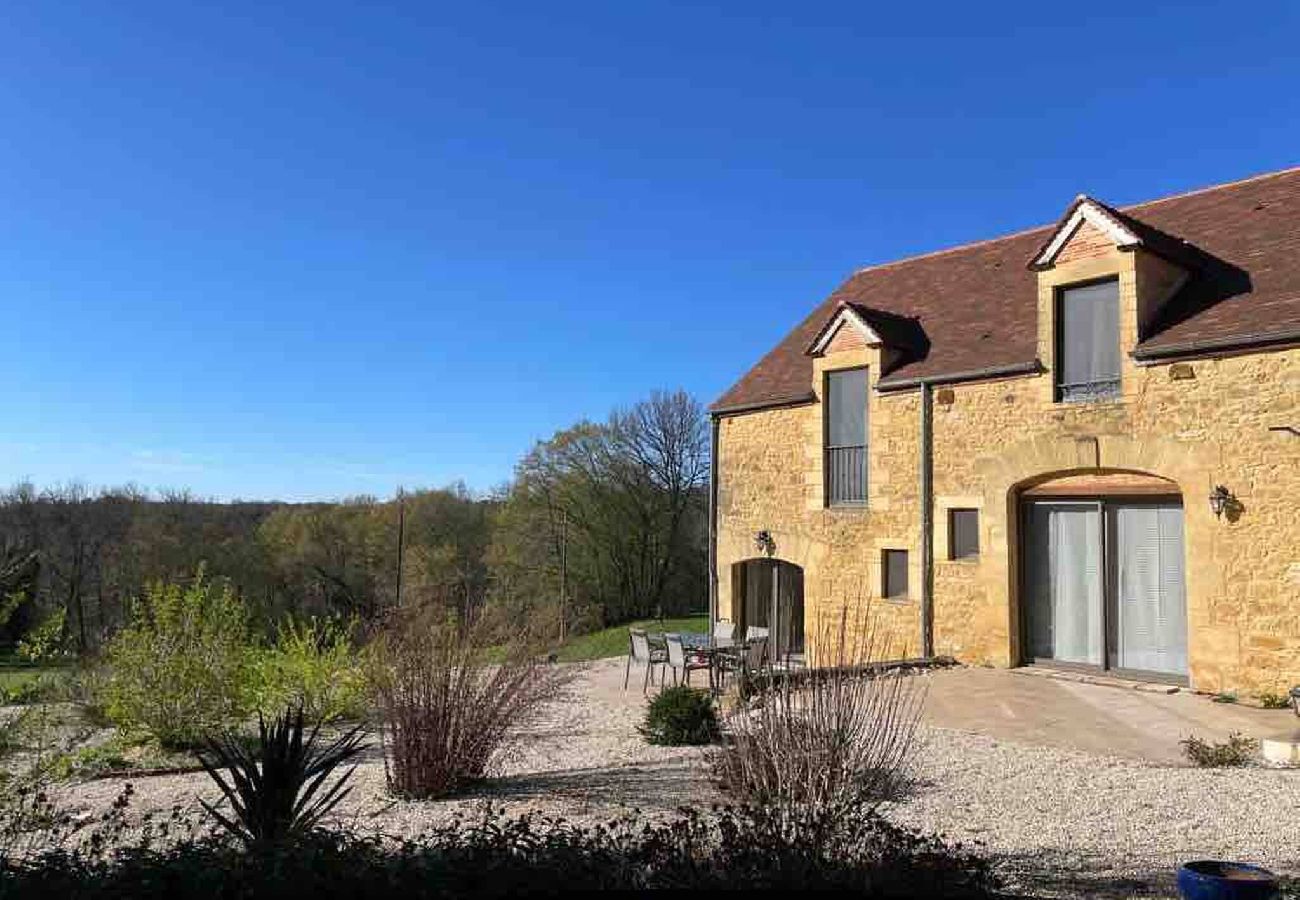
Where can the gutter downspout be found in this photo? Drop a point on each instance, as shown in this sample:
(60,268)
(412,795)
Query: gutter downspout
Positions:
(927,519)
(714,422)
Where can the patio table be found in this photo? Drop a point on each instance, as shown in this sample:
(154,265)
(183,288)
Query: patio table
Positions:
(713,649)
(698,641)
(695,640)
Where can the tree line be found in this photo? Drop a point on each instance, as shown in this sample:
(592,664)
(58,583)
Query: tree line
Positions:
(602,523)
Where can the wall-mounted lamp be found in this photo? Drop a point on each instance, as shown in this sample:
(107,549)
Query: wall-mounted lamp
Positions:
(765,542)
(1221,500)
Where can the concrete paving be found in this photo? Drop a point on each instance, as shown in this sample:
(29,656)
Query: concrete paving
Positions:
(1027,707)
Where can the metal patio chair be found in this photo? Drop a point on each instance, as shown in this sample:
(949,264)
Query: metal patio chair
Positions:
(751,658)
(678,658)
(642,652)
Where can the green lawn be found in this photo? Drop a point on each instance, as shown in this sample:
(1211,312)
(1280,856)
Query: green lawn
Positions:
(14,673)
(613,641)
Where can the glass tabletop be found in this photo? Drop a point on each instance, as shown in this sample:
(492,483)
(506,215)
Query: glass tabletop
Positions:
(701,641)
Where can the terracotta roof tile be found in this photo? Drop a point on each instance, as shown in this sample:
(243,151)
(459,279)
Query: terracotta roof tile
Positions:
(977,304)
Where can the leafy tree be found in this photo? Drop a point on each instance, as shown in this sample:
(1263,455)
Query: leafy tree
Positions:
(331,557)
(180,667)
(619,506)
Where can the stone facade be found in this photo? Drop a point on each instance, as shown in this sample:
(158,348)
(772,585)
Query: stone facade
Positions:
(1196,423)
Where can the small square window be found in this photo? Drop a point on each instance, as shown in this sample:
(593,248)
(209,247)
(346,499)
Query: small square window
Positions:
(963,533)
(893,566)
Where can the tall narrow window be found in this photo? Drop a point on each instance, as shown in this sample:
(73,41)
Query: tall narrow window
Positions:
(1087,342)
(846,437)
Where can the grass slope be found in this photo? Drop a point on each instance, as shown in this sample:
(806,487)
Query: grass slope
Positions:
(613,641)
(15,673)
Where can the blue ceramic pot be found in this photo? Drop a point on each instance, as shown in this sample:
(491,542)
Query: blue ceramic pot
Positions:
(1209,879)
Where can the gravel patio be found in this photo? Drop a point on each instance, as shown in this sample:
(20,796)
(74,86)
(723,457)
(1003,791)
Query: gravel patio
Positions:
(1008,762)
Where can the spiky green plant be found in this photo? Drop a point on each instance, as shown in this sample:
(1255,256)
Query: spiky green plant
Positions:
(276,790)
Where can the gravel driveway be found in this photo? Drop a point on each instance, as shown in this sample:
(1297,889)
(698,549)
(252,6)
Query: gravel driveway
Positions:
(1073,824)
(1062,822)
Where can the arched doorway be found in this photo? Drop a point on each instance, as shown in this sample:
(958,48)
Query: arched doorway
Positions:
(768,593)
(1102,573)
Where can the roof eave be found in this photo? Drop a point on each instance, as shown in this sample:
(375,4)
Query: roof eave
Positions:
(1243,343)
(1032,367)
(719,411)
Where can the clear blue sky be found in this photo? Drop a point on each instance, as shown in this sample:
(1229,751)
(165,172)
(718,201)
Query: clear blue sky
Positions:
(329,249)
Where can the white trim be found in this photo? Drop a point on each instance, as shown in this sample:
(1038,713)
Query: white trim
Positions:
(849,315)
(1087,211)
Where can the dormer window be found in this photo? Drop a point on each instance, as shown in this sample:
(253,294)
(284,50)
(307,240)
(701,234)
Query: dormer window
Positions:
(1087,342)
(846,437)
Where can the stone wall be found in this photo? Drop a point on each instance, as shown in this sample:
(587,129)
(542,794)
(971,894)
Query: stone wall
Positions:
(1243,571)
(1198,424)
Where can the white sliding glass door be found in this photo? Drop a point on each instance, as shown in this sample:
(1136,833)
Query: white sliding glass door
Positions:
(1150,596)
(1103,584)
(1064,585)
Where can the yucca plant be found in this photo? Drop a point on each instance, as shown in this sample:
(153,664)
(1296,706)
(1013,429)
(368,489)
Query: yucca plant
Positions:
(275,789)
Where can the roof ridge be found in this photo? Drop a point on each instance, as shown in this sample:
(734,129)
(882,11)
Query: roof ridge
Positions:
(970,245)
(1292,170)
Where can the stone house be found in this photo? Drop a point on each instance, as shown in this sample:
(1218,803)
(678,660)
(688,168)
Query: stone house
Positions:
(1076,446)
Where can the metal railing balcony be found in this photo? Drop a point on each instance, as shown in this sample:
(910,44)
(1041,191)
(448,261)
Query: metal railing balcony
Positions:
(846,475)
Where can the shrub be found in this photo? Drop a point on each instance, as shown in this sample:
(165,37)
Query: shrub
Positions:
(680,715)
(110,756)
(120,751)
(313,665)
(448,699)
(179,668)
(274,791)
(726,849)
(841,738)
(44,644)
(1237,750)
(1275,701)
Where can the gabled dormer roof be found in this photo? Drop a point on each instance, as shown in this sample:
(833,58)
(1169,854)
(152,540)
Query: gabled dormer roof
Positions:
(847,316)
(903,337)
(1125,230)
(1083,210)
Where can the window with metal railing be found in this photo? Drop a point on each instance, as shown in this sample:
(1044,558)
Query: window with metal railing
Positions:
(1087,342)
(846,437)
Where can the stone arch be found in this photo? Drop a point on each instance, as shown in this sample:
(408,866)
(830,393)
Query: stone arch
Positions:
(768,593)
(1094,482)
(1189,467)
(789,545)
(1188,464)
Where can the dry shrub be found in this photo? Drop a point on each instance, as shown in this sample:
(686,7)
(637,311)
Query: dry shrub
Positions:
(1237,750)
(839,736)
(449,699)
